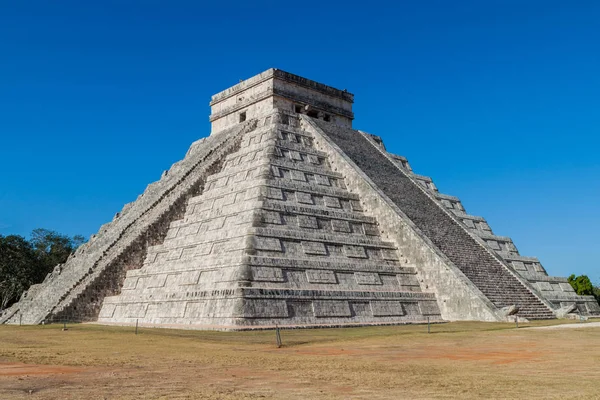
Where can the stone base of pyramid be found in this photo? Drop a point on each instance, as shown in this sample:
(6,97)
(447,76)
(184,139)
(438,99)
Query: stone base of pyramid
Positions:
(242,327)
(263,313)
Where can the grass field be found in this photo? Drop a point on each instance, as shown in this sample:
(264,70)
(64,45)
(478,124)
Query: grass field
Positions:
(464,360)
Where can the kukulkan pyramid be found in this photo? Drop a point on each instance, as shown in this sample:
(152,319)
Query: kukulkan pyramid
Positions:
(287,215)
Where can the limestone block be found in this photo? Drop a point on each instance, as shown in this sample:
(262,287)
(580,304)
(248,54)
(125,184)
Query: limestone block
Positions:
(271,217)
(155,281)
(429,307)
(388,254)
(322,180)
(320,276)
(305,221)
(331,308)
(361,309)
(367,278)
(107,311)
(544,286)
(259,308)
(469,223)
(493,244)
(519,265)
(340,226)
(216,223)
(172,233)
(304,198)
(315,248)
(174,254)
(161,257)
(593,307)
(355,251)
(358,228)
(227,247)
(213,308)
(265,243)
(188,278)
(275,193)
(132,310)
(267,274)
(276,172)
(300,309)
(537,267)
(408,280)
(313,159)
(411,308)
(298,175)
(566,287)
(386,308)
(130,283)
(332,202)
(483,226)
(166,310)
(203,249)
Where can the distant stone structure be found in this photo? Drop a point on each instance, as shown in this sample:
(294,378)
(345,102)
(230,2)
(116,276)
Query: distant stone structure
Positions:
(286,215)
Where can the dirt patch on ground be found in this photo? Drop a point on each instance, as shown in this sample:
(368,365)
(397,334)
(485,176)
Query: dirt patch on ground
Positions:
(19,369)
(466,360)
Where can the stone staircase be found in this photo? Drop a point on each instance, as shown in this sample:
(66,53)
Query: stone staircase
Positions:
(553,289)
(480,266)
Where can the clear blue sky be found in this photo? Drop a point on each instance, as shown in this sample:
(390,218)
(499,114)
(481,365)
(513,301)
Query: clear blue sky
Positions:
(498,101)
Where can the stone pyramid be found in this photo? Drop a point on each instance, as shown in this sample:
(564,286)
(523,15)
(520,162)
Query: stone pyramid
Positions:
(285,215)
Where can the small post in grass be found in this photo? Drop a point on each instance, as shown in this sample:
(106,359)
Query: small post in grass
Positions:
(20,319)
(278,336)
(517,321)
(136,326)
(428,325)
(64,325)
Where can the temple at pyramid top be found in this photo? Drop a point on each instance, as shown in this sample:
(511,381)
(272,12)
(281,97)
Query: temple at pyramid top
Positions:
(276,89)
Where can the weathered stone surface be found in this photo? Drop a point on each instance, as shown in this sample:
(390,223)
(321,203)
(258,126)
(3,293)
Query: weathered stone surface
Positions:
(285,215)
(294,251)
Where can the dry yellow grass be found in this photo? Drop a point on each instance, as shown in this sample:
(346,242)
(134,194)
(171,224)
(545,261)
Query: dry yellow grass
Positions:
(457,360)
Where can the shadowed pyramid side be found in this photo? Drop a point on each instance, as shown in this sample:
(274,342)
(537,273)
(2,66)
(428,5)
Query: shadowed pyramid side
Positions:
(462,252)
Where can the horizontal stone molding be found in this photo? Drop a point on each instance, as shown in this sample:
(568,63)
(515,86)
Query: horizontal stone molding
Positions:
(341,265)
(294,294)
(304,235)
(316,211)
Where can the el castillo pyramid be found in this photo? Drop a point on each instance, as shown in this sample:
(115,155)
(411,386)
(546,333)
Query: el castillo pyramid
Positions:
(287,215)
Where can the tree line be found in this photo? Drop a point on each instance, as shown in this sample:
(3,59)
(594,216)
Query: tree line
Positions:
(26,262)
(583,286)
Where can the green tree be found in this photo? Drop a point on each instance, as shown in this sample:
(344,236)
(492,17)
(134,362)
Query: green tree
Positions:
(597,292)
(52,248)
(582,285)
(18,266)
(24,263)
